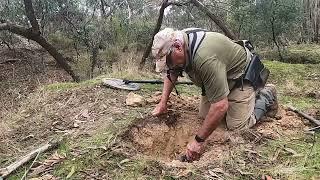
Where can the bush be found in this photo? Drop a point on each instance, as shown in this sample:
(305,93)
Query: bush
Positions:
(109,56)
(298,54)
(82,66)
(60,41)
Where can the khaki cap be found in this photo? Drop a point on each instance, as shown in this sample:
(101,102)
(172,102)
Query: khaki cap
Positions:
(162,43)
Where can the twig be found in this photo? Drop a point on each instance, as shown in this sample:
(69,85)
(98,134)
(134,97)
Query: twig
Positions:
(308,117)
(311,149)
(4,172)
(25,174)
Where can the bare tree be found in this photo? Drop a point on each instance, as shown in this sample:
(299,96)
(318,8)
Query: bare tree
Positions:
(201,7)
(33,33)
(214,18)
(311,22)
(164,5)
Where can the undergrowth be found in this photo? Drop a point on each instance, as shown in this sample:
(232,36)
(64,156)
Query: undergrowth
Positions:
(292,158)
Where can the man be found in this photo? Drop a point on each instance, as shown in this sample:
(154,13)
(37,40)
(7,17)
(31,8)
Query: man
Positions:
(215,63)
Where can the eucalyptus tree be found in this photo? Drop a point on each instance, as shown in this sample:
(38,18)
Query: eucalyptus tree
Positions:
(25,23)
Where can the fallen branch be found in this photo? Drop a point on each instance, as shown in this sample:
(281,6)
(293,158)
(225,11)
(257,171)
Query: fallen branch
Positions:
(11,61)
(308,117)
(27,171)
(4,172)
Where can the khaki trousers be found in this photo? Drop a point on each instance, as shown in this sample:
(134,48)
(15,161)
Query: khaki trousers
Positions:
(240,112)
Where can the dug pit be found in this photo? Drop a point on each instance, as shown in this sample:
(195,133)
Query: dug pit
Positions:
(166,137)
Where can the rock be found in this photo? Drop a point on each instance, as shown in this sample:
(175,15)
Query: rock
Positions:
(135,100)
(75,125)
(278,117)
(315,94)
(157,93)
(290,113)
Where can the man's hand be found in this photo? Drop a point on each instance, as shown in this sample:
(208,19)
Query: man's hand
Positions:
(161,108)
(193,151)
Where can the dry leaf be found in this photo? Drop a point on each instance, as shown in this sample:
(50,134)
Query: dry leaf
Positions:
(124,161)
(45,177)
(85,113)
(71,172)
(47,164)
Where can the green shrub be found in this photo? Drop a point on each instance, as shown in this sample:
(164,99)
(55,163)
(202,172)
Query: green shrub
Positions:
(83,66)
(297,54)
(60,40)
(109,56)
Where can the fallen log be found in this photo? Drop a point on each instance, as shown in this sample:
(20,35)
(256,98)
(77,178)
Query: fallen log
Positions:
(306,116)
(4,172)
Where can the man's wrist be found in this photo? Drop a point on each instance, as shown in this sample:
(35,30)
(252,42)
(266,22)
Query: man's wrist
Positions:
(163,102)
(199,139)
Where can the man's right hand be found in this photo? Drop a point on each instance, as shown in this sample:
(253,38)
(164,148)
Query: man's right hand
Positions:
(161,108)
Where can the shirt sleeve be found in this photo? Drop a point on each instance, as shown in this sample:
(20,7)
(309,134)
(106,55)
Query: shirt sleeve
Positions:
(214,79)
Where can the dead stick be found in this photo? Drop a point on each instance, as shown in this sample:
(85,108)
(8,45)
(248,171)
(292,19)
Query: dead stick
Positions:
(26,172)
(310,118)
(4,172)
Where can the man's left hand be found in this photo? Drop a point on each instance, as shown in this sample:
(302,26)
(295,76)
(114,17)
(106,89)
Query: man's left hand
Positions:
(194,149)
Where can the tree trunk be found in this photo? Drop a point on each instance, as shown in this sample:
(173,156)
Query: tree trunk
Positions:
(34,34)
(317,21)
(30,14)
(57,56)
(201,7)
(155,31)
(274,38)
(29,34)
(214,18)
(95,51)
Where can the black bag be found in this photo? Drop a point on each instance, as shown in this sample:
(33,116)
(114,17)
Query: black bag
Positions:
(256,73)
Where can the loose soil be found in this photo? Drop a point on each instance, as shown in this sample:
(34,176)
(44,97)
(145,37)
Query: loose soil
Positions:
(165,138)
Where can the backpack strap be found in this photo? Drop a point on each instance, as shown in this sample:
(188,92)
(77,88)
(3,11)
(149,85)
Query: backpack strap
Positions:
(195,38)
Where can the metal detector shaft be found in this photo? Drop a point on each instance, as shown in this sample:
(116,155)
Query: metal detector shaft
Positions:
(155,82)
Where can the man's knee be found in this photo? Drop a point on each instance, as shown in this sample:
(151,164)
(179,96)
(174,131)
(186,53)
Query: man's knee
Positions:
(235,124)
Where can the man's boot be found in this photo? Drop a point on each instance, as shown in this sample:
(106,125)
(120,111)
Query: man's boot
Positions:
(273,109)
(266,102)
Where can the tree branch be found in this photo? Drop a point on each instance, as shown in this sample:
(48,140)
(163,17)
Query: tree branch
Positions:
(177,4)
(155,31)
(30,34)
(215,18)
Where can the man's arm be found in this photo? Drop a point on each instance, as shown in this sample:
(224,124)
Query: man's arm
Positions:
(167,88)
(216,113)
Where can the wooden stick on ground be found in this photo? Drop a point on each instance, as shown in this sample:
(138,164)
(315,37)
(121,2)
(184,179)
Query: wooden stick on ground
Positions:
(308,117)
(26,172)
(4,172)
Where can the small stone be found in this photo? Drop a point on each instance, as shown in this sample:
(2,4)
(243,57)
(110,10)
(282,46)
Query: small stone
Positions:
(75,125)
(278,117)
(157,93)
(290,113)
(135,100)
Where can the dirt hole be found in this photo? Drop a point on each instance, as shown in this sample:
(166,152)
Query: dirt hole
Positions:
(166,137)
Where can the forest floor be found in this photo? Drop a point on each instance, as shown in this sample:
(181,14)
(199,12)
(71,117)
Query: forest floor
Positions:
(105,139)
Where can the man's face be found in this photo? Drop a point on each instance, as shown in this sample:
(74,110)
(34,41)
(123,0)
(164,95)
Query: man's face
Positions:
(176,57)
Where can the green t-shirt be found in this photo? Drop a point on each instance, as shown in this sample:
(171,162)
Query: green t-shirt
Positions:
(216,64)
